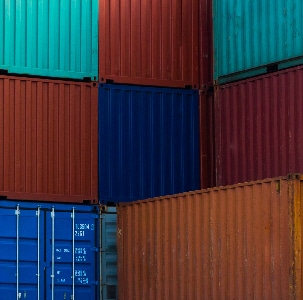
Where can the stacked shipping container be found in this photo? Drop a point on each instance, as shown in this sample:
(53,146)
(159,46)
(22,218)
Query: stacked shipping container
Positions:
(234,242)
(49,152)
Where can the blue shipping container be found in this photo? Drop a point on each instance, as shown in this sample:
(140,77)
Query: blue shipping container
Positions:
(255,37)
(50,38)
(148,142)
(49,251)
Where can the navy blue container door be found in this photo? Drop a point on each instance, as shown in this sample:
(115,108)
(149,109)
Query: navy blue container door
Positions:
(148,142)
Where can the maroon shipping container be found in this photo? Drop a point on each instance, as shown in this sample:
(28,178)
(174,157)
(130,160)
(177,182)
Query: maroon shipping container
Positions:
(160,43)
(236,242)
(259,127)
(48,140)
(207,157)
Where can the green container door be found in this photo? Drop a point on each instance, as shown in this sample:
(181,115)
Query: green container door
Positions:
(50,38)
(251,36)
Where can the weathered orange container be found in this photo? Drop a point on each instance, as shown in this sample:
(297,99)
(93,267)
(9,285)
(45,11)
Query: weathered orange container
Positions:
(158,43)
(235,242)
(48,140)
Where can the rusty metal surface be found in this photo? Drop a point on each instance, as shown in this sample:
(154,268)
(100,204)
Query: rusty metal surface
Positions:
(48,140)
(234,242)
(259,127)
(160,43)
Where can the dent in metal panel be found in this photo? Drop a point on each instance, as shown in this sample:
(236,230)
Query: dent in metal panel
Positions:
(239,28)
(151,42)
(234,242)
(50,38)
(49,145)
(149,142)
(257,125)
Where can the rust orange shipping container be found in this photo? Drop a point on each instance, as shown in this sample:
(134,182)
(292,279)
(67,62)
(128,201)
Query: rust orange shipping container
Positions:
(48,140)
(236,242)
(158,43)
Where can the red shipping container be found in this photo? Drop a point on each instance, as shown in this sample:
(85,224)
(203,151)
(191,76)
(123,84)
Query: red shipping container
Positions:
(259,127)
(160,43)
(236,242)
(48,140)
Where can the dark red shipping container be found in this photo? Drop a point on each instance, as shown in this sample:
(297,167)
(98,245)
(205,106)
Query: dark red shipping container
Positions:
(48,140)
(207,158)
(259,127)
(159,43)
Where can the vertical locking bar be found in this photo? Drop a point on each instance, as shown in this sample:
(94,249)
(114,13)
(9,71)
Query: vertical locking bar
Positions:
(53,252)
(17,213)
(73,276)
(38,250)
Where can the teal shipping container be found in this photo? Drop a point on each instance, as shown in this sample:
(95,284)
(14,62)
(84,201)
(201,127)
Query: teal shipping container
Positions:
(50,38)
(256,37)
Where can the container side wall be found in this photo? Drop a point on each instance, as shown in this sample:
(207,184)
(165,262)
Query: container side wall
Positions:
(109,255)
(258,127)
(232,243)
(239,28)
(152,42)
(50,38)
(149,142)
(48,140)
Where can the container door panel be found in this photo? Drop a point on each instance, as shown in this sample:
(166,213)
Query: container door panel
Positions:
(20,253)
(71,254)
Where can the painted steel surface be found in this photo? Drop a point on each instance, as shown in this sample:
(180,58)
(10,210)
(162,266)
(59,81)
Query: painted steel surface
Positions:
(159,43)
(50,38)
(148,142)
(48,140)
(234,242)
(48,250)
(249,36)
(109,272)
(259,127)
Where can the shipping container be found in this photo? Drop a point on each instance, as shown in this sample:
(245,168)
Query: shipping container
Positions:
(234,242)
(49,250)
(259,127)
(158,43)
(148,142)
(48,140)
(207,157)
(255,37)
(109,270)
(50,38)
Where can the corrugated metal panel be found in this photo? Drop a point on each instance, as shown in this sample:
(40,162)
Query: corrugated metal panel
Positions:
(259,127)
(47,251)
(109,272)
(235,242)
(207,157)
(154,42)
(48,140)
(149,142)
(250,35)
(50,38)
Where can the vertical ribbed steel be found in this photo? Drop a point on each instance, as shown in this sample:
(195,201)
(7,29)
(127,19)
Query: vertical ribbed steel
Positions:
(162,43)
(235,242)
(48,139)
(50,38)
(259,127)
(250,35)
(148,142)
